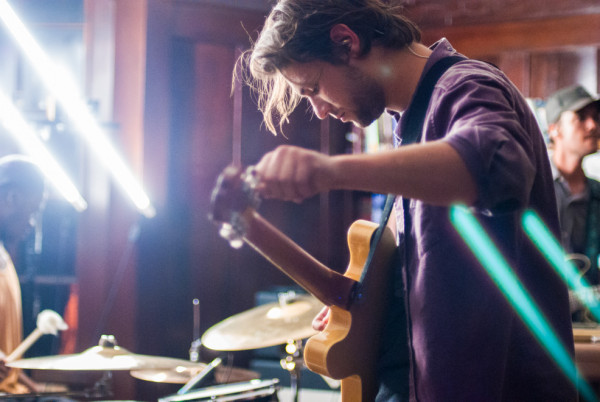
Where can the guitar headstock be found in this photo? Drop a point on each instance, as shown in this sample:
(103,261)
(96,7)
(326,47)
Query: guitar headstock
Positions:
(234,192)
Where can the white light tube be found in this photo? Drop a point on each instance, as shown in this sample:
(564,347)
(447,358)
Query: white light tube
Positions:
(63,88)
(25,135)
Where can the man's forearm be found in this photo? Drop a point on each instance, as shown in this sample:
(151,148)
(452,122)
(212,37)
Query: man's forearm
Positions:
(432,172)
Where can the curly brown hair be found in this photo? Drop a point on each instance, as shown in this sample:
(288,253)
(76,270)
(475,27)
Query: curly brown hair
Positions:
(298,31)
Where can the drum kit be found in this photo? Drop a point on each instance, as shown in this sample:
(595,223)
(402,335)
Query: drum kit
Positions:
(287,321)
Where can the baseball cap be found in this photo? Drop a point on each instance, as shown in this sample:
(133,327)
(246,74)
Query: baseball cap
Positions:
(572,98)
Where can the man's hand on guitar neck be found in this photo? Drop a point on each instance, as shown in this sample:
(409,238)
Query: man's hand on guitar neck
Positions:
(322,319)
(293,174)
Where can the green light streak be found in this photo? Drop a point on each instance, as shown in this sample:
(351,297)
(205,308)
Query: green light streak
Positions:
(554,253)
(499,270)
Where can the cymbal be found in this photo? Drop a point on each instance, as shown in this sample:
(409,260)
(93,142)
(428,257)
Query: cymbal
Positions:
(265,325)
(107,358)
(181,375)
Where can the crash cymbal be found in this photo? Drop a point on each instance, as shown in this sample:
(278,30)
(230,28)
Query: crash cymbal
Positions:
(181,375)
(266,325)
(107,358)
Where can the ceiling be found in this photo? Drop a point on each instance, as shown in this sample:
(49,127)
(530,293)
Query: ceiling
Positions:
(259,5)
(436,13)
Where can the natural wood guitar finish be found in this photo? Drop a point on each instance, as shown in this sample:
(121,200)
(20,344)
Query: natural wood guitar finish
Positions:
(347,349)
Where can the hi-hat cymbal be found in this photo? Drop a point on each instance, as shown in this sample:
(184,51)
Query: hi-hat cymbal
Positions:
(181,375)
(266,325)
(102,358)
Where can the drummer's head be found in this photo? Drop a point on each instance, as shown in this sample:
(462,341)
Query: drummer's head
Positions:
(22,191)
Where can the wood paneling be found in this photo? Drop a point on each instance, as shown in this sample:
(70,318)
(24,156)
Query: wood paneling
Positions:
(516,67)
(540,56)
(215,24)
(485,39)
(436,13)
(181,256)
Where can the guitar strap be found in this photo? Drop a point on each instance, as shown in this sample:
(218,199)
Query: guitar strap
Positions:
(414,119)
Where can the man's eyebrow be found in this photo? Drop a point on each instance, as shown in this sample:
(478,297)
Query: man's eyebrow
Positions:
(297,83)
(305,80)
(300,88)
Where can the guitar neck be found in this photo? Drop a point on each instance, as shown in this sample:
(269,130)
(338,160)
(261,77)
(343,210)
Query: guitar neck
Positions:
(327,285)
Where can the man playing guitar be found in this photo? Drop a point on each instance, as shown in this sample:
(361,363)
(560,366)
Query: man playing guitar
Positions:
(449,335)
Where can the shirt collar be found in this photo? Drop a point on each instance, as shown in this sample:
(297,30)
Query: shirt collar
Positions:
(559,179)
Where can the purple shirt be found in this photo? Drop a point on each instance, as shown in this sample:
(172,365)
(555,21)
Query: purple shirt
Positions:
(465,341)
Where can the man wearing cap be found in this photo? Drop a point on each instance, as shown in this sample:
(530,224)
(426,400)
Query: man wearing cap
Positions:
(573,117)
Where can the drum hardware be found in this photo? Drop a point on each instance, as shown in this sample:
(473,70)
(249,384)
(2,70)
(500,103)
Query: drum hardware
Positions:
(293,362)
(257,390)
(48,322)
(200,377)
(195,374)
(265,325)
(51,396)
(106,356)
(223,374)
(196,342)
(100,389)
(287,321)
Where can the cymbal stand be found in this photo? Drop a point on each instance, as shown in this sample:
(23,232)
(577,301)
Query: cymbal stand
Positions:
(200,377)
(196,342)
(101,388)
(293,362)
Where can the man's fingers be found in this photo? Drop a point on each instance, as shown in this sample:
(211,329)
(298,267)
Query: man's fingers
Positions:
(322,319)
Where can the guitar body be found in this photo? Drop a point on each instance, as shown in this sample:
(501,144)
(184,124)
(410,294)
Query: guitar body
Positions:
(347,349)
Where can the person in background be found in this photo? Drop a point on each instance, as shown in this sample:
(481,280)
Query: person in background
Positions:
(573,118)
(452,336)
(22,191)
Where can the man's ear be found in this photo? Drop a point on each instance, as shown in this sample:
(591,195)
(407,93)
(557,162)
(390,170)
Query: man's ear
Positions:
(343,35)
(553,131)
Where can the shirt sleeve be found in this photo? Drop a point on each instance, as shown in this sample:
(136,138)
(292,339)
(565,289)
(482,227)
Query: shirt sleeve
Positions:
(482,117)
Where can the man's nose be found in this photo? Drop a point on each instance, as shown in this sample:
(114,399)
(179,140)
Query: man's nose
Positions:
(320,107)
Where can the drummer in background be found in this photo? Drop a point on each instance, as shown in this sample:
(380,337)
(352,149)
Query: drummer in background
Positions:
(21,197)
(573,117)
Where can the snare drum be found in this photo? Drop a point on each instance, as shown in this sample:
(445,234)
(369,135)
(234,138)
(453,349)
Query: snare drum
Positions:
(254,390)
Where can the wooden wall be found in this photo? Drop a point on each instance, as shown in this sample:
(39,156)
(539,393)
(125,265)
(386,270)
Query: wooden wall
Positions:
(201,128)
(539,54)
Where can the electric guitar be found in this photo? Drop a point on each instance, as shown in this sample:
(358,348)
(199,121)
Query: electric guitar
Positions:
(347,349)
